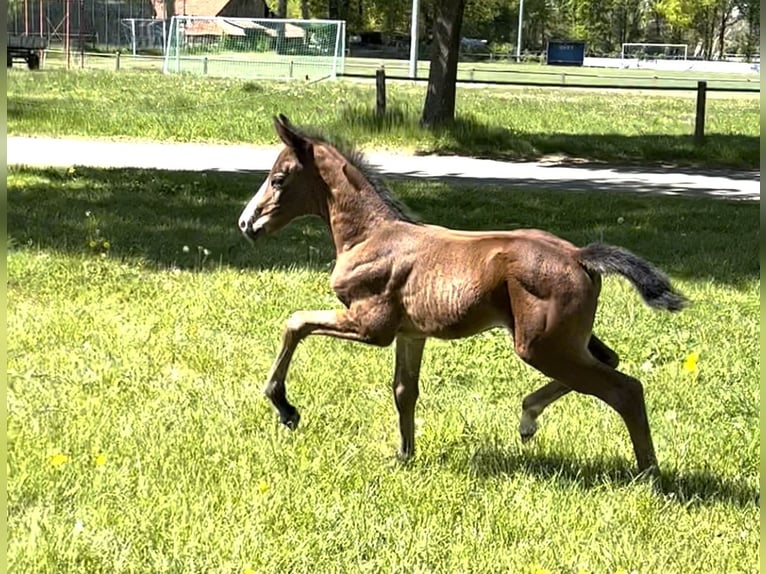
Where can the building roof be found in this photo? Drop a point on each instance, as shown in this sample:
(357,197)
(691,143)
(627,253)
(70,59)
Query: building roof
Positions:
(197,7)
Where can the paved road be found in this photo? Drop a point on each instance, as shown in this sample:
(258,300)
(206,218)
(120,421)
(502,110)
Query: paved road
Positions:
(744,185)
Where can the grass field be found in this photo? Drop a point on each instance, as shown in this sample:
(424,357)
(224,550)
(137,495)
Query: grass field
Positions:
(508,123)
(494,71)
(141,327)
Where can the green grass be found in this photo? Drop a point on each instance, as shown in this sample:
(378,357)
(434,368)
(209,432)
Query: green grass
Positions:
(508,123)
(468,70)
(143,367)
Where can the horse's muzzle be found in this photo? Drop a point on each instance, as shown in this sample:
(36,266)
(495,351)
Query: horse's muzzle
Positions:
(248,229)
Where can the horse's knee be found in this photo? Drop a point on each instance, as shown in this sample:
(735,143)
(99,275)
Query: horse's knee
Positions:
(405,394)
(294,324)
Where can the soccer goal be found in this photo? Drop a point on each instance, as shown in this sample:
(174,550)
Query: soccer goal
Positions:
(255,48)
(644,51)
(143,34)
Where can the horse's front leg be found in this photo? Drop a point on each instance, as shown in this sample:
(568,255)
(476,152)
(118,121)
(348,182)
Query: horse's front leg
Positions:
(337,324)
(409,353)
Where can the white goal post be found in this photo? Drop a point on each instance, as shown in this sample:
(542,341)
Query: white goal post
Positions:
(258,48)
(650,50)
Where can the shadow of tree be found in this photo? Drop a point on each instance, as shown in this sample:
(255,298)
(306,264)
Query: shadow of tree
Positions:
(687,488)
(168,218)
(471,137)
(153,214)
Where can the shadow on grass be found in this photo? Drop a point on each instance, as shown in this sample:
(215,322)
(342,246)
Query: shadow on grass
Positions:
(180,219)
(154,214)
(688,488)
(469,137)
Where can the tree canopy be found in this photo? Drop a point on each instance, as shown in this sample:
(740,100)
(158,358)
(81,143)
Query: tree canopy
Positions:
(711,28)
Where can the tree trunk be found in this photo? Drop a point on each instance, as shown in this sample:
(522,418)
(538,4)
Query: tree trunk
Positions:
(305,9)
(439,107)
(722,33)
(282,9)
(336,9)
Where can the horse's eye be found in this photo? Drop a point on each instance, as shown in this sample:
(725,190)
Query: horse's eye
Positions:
(277,179)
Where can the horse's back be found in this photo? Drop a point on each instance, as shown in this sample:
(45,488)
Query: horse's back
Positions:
(462,282)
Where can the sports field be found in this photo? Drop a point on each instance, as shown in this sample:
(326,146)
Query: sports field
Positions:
(302,67)
(141,326)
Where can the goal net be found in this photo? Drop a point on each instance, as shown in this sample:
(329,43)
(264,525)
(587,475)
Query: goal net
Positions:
(639,51)
(255,48)
(143,34)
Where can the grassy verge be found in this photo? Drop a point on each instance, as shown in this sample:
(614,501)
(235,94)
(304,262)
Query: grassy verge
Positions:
(469,70)
(501,123)
(139,441)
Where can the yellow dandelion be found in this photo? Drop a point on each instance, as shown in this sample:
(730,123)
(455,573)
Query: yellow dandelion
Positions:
(248,571)
(582,571)
(100,459)
(263,487)
(71,170)
(58,459)
(690,363)
(106,245)
(92,244)
(542,571)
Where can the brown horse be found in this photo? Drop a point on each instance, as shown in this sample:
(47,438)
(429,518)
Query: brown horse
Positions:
(404,281)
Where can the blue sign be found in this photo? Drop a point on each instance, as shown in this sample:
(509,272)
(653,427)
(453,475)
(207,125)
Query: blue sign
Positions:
(565,52)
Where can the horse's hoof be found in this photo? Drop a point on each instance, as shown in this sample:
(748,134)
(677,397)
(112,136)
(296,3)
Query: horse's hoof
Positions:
(650,473)
(404,455)
(291,419)
(527,428)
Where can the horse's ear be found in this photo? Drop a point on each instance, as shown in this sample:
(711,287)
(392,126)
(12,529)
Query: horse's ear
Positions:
(354,176)
(291,137)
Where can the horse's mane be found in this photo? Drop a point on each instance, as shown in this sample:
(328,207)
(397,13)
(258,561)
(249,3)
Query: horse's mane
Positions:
(357,159)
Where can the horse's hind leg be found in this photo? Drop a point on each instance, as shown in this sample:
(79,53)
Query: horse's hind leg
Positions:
(409,354)
(583,373)
(536,402)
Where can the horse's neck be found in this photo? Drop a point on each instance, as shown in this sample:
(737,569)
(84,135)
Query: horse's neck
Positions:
(354,209)
(354,212)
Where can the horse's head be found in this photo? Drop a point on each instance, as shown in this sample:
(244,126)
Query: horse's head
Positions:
(289,191)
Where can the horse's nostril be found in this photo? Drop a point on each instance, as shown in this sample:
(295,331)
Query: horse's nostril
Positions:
(242,224)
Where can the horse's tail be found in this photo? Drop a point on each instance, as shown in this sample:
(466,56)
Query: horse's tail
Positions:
(651,283)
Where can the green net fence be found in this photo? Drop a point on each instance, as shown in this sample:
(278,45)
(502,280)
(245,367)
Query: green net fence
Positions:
(255,48)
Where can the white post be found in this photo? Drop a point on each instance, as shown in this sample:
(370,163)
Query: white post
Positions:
(133,31)
(178,44)
(337,49)
(414,40)
(167,35)
(343,48)
(518,37)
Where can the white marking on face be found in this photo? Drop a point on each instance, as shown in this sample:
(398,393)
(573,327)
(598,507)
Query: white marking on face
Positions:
(254,206)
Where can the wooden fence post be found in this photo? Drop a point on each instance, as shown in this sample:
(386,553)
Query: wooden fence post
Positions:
(204,65)
(117,62)
(380,92)
(699,120)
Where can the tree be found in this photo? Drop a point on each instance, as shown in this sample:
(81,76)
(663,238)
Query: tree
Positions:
(439,107)
(751,9)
